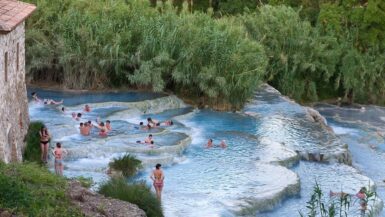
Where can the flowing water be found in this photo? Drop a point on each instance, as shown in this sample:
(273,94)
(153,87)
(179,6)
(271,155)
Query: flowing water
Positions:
(260,172)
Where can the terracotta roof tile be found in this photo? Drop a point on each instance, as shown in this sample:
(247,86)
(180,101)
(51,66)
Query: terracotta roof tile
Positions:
(12,13)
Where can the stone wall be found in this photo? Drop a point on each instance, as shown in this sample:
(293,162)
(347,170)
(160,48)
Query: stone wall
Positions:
(14,118)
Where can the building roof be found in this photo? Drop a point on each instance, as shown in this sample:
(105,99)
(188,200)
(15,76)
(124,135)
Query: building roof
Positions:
(12,13)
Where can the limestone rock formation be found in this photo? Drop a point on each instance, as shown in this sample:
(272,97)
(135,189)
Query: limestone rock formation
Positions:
(92,204)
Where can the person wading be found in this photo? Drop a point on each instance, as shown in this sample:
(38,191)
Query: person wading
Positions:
(158,177)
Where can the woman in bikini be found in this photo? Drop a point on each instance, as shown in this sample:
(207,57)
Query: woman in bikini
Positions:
(44,143)
(158,178)
(58,153)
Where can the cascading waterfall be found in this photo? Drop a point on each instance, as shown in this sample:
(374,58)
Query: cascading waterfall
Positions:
(273,152)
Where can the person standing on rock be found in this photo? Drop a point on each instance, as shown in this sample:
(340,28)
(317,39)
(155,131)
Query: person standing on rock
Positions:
(58,153)
(44,143)
(157,177)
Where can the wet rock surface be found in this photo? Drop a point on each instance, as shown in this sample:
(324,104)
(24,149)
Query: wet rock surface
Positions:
(92,204)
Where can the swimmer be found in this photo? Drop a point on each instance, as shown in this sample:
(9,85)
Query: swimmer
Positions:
(84,130)
(35,97)
(45,101)
(168,123)
(87,108)
(157,177)
(103,130)
(148,140)
(63,109)
(58,153)
(90,125)
(209,143)
(223,144)
(108,125)
(77,116)
(152,122)
(151,144)
(52,102)
(142,127)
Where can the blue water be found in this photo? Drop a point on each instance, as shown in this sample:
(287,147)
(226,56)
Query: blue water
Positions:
(79,97)
(201,181)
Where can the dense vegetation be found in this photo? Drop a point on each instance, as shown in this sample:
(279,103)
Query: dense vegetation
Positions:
(32,148)
(127,164)
(306,49)
(138,193)
(30,190)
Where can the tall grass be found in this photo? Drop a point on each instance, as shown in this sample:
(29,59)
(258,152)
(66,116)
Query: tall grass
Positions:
(139,194)
(30,190)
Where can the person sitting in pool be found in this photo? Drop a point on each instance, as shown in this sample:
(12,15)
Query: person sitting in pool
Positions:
(142,127)
(223,144)
(87,108)
(84,129)
(209,143)
(90,125)
(108,125)
(151,144)
(103,130)
(152,122)
(148,140)
(168,123)
(77,116)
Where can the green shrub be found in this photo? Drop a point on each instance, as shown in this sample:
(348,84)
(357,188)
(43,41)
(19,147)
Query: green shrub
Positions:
(32,150)
(139,194)
(31,190)
(127,164)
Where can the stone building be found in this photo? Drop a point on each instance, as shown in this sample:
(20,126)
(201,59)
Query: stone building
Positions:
(14,118)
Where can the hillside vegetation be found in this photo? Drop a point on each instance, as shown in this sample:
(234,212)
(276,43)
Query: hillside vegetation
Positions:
(309,50)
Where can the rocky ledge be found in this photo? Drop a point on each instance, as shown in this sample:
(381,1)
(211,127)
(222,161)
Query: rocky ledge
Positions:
(95,205)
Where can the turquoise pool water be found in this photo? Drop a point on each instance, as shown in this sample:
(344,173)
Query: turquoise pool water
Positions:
(239,180)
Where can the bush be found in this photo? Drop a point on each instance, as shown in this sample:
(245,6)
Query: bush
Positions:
(31,190)
(32,150)
(127,164)
(138,193)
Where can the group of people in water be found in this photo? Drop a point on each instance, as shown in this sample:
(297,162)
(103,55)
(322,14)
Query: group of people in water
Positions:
(157,175)
(85,127)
